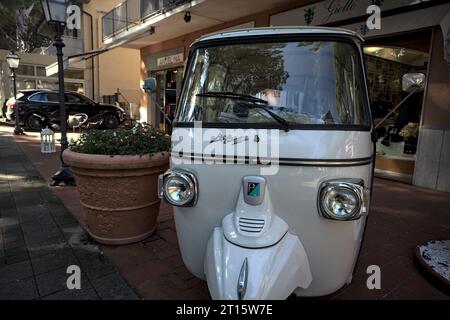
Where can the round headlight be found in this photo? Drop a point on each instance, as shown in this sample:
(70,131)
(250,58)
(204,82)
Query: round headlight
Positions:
(179,189)
(341,201)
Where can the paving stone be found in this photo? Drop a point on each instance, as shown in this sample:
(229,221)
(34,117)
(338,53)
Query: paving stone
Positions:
(8,222)
(24,289)
(11,230)
(75,235)
(85,293)
(129,255)
(113,287)
(23,208)
(38,224)
(46,246)
(41,240)
(16,250)
(37,236)
(66,221)
(17,258)
(14,244)
(153,237)
(93,262)
(7,200)
(169,235)
(34,213)
(54,281)
(162,249)
(173,262)
(150,290)
(8,212)
(56,208)
(52,261)
(138,274)
(26,200)
(14,272)
(49,197)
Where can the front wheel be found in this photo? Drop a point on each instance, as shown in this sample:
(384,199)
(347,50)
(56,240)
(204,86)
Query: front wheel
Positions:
(34,122)
(110,121)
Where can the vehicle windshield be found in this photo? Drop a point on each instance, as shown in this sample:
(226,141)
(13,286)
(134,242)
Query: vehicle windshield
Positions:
(308,82)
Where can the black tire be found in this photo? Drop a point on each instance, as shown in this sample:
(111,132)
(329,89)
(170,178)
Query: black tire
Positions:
(110,121)
(33,123)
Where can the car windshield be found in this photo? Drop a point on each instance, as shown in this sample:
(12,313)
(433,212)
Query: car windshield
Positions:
(309,82)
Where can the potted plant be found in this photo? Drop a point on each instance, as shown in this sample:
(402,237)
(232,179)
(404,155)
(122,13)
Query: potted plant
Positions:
(117,175)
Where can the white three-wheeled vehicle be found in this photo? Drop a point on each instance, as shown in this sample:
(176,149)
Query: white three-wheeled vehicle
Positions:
(272,161)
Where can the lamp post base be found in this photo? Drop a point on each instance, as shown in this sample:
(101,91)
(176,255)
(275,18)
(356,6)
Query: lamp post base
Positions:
(63,175)
(18,131)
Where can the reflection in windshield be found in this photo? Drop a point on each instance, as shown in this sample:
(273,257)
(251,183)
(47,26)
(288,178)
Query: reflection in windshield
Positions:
(303,82)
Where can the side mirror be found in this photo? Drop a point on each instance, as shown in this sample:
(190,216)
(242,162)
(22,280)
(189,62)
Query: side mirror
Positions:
(149,85)
(410,81)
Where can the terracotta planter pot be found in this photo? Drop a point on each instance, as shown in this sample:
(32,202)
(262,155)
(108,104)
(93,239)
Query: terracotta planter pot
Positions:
(118,194)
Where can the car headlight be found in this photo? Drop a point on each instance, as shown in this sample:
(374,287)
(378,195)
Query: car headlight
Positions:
(178,187)
(341,199)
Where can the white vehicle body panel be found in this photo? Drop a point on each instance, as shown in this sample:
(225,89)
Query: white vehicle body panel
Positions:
(301,251)
(331,246)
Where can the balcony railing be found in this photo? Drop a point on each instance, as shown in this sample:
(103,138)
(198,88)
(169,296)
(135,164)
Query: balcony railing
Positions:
(133,12)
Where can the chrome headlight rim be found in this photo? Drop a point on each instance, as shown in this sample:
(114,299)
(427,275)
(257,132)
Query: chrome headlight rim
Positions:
(190,180)
(355,186)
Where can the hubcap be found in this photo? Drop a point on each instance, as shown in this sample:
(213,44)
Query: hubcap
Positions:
(34,123)
(110,121)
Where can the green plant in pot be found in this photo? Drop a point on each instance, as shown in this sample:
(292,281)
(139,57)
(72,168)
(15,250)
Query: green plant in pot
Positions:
(117,175)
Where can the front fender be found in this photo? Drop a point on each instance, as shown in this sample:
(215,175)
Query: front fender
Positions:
(272,272)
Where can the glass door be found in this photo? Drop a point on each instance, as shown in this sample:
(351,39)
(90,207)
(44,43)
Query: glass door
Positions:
(397,135)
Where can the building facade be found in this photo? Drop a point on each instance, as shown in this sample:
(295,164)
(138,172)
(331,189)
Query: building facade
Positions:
(414,143)
(112,70)
(32,74)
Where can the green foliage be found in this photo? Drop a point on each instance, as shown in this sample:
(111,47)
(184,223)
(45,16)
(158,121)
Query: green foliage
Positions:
(140,139)
(22,25)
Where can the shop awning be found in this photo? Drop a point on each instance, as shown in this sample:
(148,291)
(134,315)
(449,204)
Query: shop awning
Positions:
(83,56)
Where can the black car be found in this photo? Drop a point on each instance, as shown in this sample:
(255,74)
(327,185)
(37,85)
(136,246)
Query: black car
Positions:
(37,107)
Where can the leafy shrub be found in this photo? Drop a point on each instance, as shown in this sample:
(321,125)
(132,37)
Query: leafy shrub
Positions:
(138,140)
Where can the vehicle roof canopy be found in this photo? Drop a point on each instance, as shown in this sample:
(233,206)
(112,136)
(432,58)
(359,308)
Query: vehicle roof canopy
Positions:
(270,31)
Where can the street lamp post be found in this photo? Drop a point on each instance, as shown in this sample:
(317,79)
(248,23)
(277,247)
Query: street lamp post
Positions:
(13,63)
(55,14)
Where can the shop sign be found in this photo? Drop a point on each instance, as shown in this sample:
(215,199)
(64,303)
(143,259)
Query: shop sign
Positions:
(169,60)
(329,11)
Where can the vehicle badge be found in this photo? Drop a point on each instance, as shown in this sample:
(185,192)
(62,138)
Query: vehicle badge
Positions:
(254,188)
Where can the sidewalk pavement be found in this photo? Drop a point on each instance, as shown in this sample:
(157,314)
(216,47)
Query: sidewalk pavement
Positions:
(39,239)
(402,216)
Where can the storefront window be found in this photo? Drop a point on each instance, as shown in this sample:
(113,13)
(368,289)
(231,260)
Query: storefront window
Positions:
(398,133)
(40,72)
(73,86)
(73,74)
(25,70)
(23,84)
(168,88)
(47,84)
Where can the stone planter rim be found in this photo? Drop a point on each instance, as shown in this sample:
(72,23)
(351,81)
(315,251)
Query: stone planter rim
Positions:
(116,162)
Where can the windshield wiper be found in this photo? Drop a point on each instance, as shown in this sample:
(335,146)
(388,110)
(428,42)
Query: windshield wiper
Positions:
(256,103)
(232,95)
